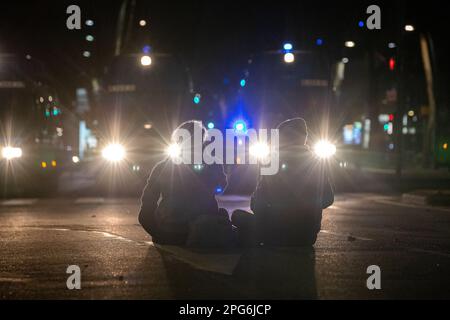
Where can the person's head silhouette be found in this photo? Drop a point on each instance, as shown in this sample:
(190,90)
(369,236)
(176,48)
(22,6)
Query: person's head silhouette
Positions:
(293,133)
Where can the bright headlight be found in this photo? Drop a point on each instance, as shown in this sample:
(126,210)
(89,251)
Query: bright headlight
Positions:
(10,153)
(324,149)
(114,152)
(173,150)
(259,150)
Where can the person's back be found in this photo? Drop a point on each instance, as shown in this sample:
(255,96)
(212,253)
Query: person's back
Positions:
(178,196)
(175,196)
(288,206)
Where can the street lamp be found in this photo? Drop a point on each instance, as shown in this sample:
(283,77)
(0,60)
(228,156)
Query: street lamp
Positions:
(146,60)
(349,44)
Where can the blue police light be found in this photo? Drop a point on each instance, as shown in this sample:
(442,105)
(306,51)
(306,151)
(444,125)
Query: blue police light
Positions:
(361,24)
(287,46)
(243,83)
(211,125)
(146,49)
(240,126)
(319,42)
(219,190)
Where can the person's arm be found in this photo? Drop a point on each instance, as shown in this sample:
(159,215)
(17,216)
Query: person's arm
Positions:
(149,201)
(259,198)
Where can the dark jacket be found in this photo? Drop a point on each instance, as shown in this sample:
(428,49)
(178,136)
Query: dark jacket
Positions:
(176,195)
(288,206)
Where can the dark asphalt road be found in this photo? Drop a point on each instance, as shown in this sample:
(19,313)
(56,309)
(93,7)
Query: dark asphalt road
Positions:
(40,238)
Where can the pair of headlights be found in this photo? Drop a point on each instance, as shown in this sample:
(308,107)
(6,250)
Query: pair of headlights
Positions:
(323,149)
(116,152)
(10,153)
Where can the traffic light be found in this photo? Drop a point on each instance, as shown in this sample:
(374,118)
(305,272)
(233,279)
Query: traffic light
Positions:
(392,64)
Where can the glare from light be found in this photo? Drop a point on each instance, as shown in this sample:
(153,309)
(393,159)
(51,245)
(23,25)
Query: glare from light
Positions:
(287,46)
(10,153)
(114,152)
(197,98)
(89,23)
(198,167)
(75,159)
(324,149)
(240,126)
(86,54)
(411,113)
(146,60)
(211,125)
(345,60)
(409,28)
(392,45)
(148,126)
(43,164)
(289,57)
(142,23)
(350,44)
(173,151)
(243,82)
(89,38)
(53,163)
(361,24)
(259,150)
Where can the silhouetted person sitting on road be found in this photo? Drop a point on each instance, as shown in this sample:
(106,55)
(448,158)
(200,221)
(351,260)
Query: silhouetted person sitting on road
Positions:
(180,198)
(288,206)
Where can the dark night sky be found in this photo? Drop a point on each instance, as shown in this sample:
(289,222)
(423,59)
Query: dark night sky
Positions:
(207,33)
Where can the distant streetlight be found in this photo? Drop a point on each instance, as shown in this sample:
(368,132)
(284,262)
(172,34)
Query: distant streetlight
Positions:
(409,28)
(349,44)
(289,57)
(146,60)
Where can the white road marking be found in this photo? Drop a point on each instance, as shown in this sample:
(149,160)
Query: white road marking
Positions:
(13,280)
(90,201)
(218,263)
(18,202)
